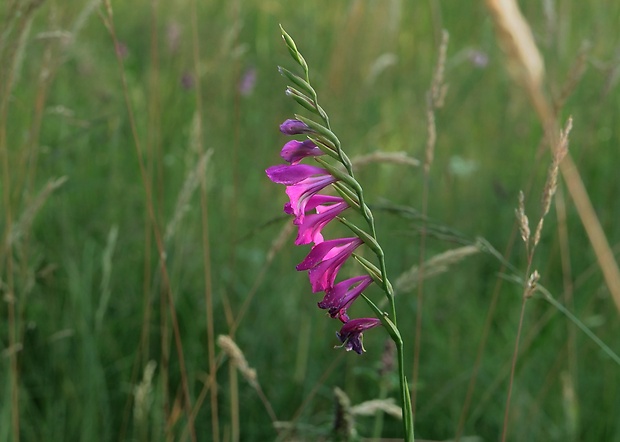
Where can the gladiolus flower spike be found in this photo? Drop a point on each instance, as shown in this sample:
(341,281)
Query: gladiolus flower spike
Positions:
(313,209)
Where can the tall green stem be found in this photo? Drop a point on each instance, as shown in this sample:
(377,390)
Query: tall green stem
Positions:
(311,102)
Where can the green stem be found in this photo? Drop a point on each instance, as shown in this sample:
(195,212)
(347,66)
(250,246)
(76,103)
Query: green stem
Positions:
(390,324)
(404,388)
(387,287)
(404,391)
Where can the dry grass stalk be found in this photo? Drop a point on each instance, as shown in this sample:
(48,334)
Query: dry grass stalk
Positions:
(438,88)
(237,359)
(143,394)
(434,100)
(516,38)
(385,157)
(524,224)
(525,63)
(551,184)
(436,265)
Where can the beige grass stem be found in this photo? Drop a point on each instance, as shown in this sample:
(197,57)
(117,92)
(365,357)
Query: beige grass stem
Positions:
(434,100)
(525,64)
(18,20)
(106,16)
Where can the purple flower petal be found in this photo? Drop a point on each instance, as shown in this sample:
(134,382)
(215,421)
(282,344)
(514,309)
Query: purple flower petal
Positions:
(294,151)
(314,202)
(288,175)
(312,224)
(302,183)
(294,127)
(351,333)
(325,259)
(340,297)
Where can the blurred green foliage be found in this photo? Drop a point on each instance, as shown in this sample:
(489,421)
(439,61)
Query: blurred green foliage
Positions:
(371,63)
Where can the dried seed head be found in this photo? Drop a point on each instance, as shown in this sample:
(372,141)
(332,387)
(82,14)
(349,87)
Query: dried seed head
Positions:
(436,265)
(237,358)
(370,408)
(143,393)
(524,224)
(551,185)
(530,287)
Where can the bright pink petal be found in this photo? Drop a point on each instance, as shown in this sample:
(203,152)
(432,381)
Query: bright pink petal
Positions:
(340,297)
(315,201)
(310,228)
(289,175)
(325,259)
(300,193)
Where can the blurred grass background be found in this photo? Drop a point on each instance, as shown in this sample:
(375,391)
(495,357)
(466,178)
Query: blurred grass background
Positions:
(86,298)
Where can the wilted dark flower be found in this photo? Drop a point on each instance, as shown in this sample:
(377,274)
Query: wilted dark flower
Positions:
(351,333)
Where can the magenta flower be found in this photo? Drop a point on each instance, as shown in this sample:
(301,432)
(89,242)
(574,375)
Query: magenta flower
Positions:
(314,201)
(294,127)
(325,259)
(294,151)
(351,333)
(312,224)
(302,182)
(340,297)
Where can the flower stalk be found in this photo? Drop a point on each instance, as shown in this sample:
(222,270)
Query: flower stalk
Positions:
(313,210)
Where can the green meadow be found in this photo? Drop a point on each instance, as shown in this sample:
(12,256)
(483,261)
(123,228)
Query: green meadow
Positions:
(147,270)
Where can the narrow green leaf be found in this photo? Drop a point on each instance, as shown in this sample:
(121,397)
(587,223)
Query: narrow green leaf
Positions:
(292,48)
(348,195)
(385,320)
(370,268)
(302,99)
(324,145)
(340,174)
(319,128)
(298,81)
(364,236)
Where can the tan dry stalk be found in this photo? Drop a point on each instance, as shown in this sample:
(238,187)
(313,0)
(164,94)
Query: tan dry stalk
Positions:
(524,61)
(525,64)
(107,19)
(237,359)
